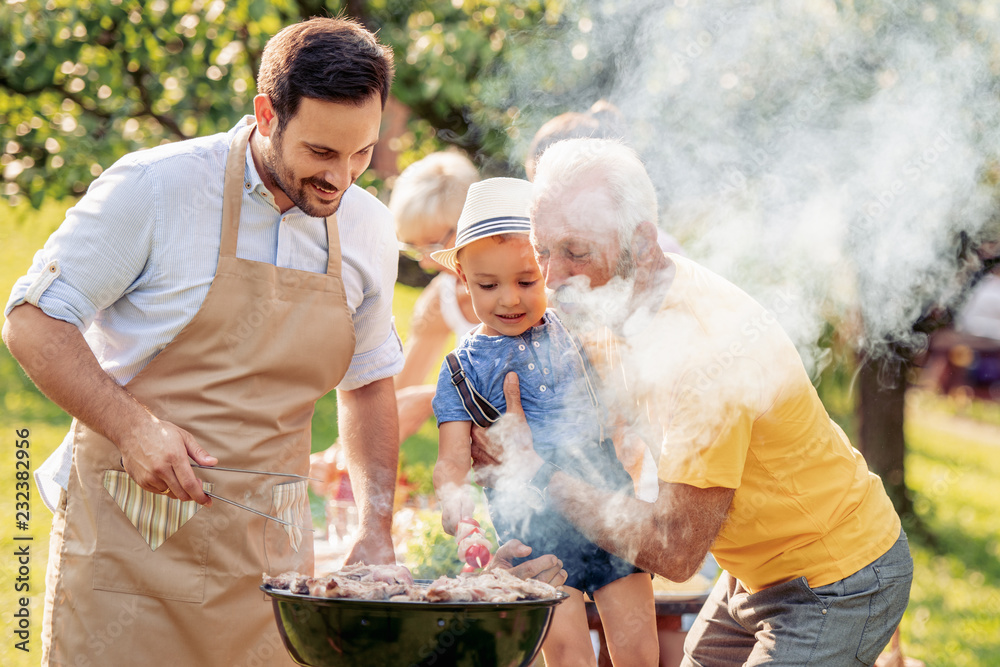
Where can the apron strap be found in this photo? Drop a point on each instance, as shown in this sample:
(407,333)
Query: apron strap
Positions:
(333,264)
(232,194)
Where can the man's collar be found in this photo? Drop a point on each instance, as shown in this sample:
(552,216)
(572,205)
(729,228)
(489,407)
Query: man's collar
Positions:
(252,182)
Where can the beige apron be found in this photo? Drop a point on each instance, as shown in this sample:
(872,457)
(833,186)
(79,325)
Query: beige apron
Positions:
(243,377)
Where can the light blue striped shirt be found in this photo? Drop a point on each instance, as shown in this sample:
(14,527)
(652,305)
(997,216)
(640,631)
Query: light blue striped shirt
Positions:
(133,260)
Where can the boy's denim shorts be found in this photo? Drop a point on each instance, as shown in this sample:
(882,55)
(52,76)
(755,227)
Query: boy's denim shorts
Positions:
(847,622)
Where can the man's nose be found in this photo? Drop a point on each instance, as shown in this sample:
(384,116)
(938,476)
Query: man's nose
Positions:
(339,175)
(554,273)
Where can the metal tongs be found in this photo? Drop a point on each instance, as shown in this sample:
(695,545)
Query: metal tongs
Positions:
(255,472)
(250,509)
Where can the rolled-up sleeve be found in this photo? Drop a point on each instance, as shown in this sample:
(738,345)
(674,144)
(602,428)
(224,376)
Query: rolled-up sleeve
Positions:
(384,361)
(378,351)
(97,254)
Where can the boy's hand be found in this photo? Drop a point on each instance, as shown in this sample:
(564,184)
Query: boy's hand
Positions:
(456,503)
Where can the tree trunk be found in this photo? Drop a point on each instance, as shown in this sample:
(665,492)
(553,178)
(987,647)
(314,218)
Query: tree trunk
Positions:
(881,404)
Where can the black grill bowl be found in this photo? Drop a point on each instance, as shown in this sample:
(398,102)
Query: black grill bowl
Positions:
(323,632)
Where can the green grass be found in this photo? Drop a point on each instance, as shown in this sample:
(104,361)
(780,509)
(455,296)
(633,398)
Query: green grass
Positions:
(43,438)
(22,232)
(961,406)
(954,612)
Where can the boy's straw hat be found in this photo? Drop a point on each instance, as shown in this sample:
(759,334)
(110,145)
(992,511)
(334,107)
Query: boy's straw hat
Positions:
(493,206)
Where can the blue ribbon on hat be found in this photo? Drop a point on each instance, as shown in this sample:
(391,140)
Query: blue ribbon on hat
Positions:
(492,226)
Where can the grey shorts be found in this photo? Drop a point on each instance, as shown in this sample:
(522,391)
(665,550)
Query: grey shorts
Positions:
(847,622)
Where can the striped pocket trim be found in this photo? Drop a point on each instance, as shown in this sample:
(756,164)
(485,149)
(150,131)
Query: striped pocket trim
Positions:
(291,503)
(154,515)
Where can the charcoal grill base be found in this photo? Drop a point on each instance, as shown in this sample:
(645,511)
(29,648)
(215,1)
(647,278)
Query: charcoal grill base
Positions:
(322,632)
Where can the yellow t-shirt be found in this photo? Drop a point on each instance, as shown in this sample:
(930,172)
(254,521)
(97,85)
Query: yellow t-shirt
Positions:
(721,388)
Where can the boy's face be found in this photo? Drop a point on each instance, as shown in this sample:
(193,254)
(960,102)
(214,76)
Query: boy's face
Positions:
(506,287)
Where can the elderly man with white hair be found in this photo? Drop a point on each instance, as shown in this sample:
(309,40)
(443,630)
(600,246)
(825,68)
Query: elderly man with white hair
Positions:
(817,569)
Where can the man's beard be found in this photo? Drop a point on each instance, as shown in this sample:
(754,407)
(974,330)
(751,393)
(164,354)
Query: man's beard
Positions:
(585,309)
(282,176)
(625,266)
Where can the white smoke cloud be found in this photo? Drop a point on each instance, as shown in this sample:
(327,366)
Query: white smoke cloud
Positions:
(824,156)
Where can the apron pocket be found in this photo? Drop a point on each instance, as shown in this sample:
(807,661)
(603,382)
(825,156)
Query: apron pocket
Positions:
(284,544)
(147,543)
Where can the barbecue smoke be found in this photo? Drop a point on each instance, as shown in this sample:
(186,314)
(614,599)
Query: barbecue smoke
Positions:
(826,157)
(829,158)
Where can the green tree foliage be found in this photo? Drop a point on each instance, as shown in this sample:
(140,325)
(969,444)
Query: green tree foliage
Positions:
(87,82)
(449,60)
(82,82)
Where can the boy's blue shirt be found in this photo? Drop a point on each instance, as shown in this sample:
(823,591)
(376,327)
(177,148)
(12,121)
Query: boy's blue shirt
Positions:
(551,373)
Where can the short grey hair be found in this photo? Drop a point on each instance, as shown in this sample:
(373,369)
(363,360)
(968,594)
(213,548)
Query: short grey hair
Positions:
(565,164)
(431,190)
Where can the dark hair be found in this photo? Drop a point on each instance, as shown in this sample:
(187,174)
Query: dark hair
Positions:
(329,59)
(602,121)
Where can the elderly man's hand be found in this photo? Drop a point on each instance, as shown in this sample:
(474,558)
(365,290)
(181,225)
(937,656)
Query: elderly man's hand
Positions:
(546,568)
(504,453)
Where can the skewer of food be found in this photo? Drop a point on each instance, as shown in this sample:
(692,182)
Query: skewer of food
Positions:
(473,547)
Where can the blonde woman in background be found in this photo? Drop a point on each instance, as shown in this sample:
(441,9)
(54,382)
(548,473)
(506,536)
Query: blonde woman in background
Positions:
(426,202)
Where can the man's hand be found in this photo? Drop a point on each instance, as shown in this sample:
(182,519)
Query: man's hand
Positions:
(546,568)
(157,459)
(504,452)
(373,548)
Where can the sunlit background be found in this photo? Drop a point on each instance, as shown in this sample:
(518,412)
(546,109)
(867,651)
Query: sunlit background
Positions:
(838,160)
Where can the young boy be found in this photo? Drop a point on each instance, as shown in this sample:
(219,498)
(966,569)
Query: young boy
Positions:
(494,259)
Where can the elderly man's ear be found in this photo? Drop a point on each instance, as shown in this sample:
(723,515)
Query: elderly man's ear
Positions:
(652,268)
(644,241)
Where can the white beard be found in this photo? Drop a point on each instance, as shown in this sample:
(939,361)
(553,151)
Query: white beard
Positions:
(584,309)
